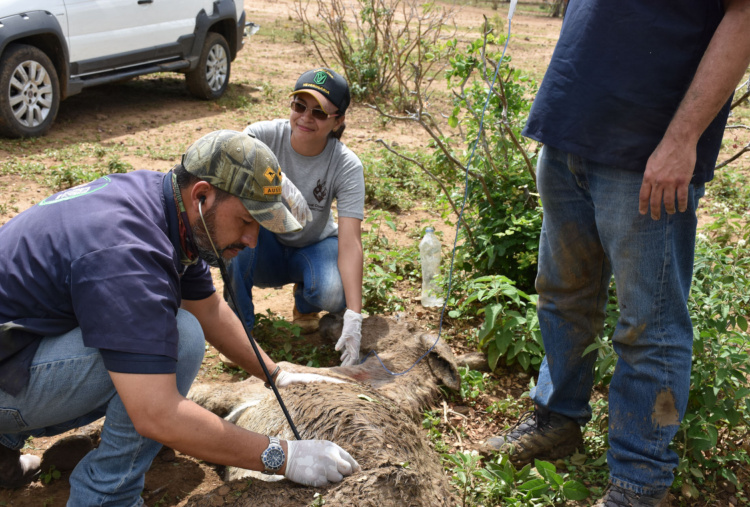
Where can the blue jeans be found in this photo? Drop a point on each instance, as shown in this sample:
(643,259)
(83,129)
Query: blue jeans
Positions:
(69,388)
(592,230)
(313,268)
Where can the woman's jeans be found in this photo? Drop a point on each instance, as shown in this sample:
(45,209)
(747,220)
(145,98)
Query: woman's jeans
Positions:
(592,230)
(69,388)
(313,268)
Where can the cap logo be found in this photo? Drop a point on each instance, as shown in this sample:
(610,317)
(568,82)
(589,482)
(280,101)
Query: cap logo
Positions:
(320,77)
(275,190)
(270,174)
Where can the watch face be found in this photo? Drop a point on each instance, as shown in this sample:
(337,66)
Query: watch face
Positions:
(273,457)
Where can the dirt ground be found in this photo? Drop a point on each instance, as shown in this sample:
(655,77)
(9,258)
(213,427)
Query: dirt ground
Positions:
(155,119)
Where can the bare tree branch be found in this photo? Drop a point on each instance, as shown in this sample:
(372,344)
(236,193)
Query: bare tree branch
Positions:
(739,101)
(734,157)
(437,180)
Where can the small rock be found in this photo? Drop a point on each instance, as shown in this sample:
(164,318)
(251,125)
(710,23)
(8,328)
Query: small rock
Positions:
(224,490)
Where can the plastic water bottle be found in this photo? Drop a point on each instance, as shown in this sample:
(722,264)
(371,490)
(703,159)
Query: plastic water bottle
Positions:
(429,253)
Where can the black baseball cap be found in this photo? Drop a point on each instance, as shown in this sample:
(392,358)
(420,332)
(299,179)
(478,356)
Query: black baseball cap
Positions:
(323,82)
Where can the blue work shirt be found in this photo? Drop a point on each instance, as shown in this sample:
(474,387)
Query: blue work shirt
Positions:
(617,76)
(104,257)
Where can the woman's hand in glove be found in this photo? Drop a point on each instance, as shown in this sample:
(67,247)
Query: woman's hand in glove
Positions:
(351,335)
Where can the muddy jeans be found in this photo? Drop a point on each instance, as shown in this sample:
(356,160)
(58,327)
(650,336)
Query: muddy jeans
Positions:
(313,268)
(69,388)
(592,230)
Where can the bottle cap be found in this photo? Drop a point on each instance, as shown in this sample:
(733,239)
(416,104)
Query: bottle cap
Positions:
(429,229)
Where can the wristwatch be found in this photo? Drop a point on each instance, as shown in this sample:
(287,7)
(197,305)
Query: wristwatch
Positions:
(273,457)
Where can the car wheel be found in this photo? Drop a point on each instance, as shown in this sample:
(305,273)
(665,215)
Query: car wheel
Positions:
(29,92)
(210,79)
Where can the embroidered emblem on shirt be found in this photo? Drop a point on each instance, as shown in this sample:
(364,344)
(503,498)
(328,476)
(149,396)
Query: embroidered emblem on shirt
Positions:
(79,191)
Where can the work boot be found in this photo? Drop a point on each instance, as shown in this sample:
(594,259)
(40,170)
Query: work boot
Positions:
(308,322)
(16,469)
(538,435)
(615,496)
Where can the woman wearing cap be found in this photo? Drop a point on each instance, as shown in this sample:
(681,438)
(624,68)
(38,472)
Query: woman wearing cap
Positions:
(324,259)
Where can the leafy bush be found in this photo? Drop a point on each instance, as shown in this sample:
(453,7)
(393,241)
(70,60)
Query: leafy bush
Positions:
(713,436)
(499,483)
(511,329)
(504,214)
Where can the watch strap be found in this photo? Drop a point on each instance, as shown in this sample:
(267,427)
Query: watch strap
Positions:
(273,375)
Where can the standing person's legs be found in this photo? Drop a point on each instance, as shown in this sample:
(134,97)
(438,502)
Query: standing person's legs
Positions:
(592,228)
(572,282)
(653,265)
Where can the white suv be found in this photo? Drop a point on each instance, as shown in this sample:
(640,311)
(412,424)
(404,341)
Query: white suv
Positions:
(51,49)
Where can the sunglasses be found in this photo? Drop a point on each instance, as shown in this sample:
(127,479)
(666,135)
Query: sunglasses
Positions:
(316,112)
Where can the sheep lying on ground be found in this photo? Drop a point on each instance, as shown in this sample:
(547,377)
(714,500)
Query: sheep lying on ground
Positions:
(375,416)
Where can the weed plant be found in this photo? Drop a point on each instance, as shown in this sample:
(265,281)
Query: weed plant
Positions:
(391,184)
(275,333)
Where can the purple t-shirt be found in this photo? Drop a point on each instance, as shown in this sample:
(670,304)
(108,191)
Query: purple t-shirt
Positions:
(104,257)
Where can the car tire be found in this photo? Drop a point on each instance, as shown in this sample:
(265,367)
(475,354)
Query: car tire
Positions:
(210,79)
(29,92)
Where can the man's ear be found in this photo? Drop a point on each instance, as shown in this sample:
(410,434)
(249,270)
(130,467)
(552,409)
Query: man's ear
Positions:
(202,192)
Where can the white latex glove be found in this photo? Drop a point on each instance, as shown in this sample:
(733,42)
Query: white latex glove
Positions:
(317,462)
(285,378)
(351,335)
(295,200)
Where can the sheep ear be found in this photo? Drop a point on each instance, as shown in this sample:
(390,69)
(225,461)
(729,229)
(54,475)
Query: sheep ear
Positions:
(442,362)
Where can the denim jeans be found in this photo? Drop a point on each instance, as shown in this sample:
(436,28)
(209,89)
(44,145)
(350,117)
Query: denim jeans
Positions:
(313,268)
(591,231)
(69,388)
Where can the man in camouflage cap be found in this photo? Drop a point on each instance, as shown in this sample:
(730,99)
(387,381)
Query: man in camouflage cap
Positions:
(246,168)
(106,304)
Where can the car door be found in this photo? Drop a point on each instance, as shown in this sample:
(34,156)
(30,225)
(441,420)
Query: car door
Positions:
(101,29)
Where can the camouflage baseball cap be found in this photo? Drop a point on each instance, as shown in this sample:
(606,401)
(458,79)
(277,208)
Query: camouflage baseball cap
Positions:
(245,167)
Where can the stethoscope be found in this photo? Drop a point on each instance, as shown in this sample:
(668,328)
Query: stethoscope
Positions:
(230,291)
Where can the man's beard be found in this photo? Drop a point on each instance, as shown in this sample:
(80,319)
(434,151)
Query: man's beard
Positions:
(202,239)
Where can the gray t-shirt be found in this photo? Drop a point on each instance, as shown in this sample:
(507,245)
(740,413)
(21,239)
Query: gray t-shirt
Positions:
(336,173)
